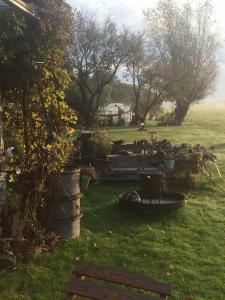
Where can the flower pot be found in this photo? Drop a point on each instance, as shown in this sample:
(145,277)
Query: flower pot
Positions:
(169,164)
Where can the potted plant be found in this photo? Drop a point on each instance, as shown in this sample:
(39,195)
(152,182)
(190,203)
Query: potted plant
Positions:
(169,161)
(103,145)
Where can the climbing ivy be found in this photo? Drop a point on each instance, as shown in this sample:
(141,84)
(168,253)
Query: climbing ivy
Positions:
(34,68)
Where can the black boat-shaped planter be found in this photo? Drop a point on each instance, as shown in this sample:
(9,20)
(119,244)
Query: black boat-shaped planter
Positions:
(151,197)
(166,202)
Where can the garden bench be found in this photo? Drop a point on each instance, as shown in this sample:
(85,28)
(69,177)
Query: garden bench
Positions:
(82,284)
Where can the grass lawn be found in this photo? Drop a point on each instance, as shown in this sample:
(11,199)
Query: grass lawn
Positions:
(185,248)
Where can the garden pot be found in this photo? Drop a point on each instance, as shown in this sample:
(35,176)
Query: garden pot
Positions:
(169,164)
(64,216)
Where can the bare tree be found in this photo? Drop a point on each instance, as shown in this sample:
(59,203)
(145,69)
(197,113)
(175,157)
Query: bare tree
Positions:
(188,47)
(154,87)
(146,71)
(99,50)
(135,68)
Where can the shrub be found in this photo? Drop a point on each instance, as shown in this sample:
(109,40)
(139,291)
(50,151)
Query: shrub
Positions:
(103,144)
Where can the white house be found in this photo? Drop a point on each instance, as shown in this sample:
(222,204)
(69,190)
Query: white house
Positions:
(116,114)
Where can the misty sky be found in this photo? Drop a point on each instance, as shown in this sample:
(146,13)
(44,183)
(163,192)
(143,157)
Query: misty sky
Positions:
(129,12)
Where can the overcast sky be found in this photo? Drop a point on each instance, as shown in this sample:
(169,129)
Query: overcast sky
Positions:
(129,12)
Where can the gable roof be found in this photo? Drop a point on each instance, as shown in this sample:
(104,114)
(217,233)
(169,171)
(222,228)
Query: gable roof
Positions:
(18,4)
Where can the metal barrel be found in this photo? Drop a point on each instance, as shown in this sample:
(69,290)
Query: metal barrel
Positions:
(64,215)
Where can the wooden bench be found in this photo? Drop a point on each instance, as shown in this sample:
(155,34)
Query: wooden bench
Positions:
(82,284)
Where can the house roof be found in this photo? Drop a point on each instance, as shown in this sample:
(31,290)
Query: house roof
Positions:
(18,4)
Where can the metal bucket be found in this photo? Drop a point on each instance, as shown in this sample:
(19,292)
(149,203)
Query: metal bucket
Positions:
(169,164)
(64,216)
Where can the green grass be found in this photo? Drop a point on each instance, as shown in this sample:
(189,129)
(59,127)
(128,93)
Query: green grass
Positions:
(185,248)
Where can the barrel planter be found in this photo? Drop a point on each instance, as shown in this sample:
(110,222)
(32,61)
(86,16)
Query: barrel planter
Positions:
(64,210)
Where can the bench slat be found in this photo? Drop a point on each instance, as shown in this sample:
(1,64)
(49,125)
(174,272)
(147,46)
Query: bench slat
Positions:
(124,277)
(92,290)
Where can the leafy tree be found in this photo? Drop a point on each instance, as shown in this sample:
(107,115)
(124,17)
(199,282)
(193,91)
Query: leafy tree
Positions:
(34,59)
(187,46)
(122,92)
(74,98)
(154,89)
(98,52)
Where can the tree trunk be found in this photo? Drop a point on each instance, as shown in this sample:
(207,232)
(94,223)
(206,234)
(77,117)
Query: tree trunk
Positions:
(89,119)
(135,119)
(137,94)
(179,114)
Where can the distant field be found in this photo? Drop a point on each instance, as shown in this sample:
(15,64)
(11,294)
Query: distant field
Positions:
(186,248)
(203,124)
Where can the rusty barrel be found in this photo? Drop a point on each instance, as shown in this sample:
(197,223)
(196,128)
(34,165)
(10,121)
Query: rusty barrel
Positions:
(64,216)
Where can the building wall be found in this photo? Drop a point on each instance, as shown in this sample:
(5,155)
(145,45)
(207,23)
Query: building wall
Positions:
(121,114)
